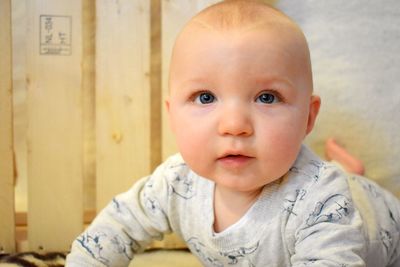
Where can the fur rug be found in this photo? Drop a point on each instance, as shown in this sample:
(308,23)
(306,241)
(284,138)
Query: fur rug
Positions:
(32,259)
(154,258)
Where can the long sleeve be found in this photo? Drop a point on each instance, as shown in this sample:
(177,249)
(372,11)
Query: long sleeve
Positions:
(331,231)
(332,236)
(125,226)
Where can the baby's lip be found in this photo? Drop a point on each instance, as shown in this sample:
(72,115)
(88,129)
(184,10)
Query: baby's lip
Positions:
(234,160)
(234,154)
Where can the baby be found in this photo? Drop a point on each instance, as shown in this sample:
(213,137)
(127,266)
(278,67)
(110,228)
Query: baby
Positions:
(244,191)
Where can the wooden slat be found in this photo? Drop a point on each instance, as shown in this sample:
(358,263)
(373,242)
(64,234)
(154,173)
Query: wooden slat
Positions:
(7,225)
(122,95)
(155,84)
(174,16)
(88,86)
(54,78)
(21,218)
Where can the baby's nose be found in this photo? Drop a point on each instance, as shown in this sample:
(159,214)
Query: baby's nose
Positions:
(235,120)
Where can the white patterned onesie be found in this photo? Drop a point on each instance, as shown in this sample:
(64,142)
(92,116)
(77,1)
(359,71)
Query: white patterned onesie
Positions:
(316,215)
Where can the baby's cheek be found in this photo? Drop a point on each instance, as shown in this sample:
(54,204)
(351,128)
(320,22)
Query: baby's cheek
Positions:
(282,144)
(190,141)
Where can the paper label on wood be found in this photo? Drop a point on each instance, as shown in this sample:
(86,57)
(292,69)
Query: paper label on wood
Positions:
(55,35)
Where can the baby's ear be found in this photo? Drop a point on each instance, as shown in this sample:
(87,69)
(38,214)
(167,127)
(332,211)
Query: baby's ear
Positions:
(167,104)
(315,103)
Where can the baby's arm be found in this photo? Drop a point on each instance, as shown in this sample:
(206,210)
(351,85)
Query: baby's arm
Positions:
(126,226)
(330,229)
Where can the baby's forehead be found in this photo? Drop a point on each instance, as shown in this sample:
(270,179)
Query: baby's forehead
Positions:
(280,34)
(240,17)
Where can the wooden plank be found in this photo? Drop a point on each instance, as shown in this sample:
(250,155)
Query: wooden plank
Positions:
(155,84)
(174,16)
(21,218)
(54,77)
(88,84)
(122,95)
(19,26)
(7,223)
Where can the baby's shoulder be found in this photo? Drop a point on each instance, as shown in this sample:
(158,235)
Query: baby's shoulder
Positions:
(316,190)
(311,173)
(177,177)
(172,167)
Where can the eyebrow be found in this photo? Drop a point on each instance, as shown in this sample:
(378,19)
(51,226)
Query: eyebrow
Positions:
(274,79)
(259,80)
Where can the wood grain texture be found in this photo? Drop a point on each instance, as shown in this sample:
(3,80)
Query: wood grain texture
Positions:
(122,96)
(89,97)
(7,223)
(156,104)
(55,141)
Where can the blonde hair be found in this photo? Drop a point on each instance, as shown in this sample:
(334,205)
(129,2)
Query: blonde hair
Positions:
(235,14)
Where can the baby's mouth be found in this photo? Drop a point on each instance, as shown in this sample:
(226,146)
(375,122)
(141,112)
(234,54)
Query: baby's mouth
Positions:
(234,156)
(234,160)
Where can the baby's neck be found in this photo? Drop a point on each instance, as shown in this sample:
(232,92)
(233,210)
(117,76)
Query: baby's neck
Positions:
(230,206)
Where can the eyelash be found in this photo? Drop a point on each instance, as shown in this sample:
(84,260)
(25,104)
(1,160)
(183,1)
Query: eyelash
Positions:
(196,98)
(277,97)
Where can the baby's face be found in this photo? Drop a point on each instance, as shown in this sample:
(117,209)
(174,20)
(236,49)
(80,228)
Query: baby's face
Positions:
(240,104)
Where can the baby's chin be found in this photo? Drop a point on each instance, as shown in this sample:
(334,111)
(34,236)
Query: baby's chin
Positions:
(241,184)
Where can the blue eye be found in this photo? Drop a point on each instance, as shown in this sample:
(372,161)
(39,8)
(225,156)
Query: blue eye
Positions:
(205,98)
(267,98)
